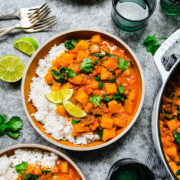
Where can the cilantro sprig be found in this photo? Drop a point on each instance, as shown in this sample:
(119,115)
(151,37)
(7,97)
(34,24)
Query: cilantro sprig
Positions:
(152,43)
(123,64)
(87,65)
(63,75)
(21,168)
(95,100)
(74,121)
(11,127)
(71,44)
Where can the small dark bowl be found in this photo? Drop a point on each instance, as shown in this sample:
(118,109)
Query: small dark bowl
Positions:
(141,168)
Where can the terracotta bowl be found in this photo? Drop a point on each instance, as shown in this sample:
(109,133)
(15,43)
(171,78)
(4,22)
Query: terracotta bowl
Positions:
(30,72)
(10,151)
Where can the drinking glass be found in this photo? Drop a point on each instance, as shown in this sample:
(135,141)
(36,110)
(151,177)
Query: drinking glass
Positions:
(170,7)
(132,15)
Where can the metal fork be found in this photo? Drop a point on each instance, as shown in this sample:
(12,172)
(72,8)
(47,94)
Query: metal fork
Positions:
(21,13)
(30,21)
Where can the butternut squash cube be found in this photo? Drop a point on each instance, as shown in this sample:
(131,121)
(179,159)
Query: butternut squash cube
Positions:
(114,107)
(172,152)
(80,128)
(106,122)
(89,107)
(82,97)
(77,80)
(105,74)
(110,64)
(121,120)
(64,166)
(108,134)
(48,78)
(96,38)
(94,126)
(173,124)
(94,85)
(94,48)
(110,88)
(128,106)
(81,55)
(82,45)
(60,110)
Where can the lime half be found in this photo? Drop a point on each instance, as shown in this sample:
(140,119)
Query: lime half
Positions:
(11,68)
(73,110)
(27,45)
(58,96)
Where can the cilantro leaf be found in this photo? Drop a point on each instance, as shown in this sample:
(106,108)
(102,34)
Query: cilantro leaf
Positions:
(3,118)
(176,136)
(86,65)
(149,38)
(100,133)
(74,121)
(122,64)
(95,100)
(97,78)
(101,85)
(121,89)
(98,55)
(14,135)
(55,73)
(31,177)
(70,44)
(3,128)
(110,55)
(15,123)
(45,171)
(69,72)
(21,168)
(178,172)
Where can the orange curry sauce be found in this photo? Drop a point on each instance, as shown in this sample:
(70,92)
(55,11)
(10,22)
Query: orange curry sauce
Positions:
(112,80)
(170,124)
(61,171)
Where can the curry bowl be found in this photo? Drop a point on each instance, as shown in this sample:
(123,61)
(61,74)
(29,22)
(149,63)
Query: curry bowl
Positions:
(165,111)
(105,82)
(37,161)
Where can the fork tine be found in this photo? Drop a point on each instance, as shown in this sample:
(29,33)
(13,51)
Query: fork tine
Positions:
(46,20)
(45,27)
(53,21)
(45,4)
(40,13)
(34,8)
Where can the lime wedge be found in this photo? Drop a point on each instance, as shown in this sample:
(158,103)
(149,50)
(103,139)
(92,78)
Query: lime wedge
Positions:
(11,68)
(67,93)
(58,96)
(27,45)
(54,97)
(73,110)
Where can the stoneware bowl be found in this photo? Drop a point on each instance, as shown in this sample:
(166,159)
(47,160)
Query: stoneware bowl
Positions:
(10,151)
(166,75)
(31,71)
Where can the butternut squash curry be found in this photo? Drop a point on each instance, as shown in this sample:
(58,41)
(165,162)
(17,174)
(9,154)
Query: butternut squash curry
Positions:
(170,124)
(61,171)
(105,86)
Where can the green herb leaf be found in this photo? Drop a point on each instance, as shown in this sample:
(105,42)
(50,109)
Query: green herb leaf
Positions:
(176,136)
(95,100)
(100,133)
(21,168)
(111,81)
(101,85)
(70,44)
(55,73)
(14,135)
(15,123)
(45,171)
(178,163)
(74,121)
(86,65)
(151,45)
(3,119)
(97,78)
(121,89)
(149,38)
(31,177)
(98,55)
(122,64)
(178,112)
(97,61)
(178,172)
(110,55)
(3,128)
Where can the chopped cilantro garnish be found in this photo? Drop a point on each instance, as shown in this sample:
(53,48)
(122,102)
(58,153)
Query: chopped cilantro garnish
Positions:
(121,89)
(45,171)
(95,100)
(21,168)
(70,44)
(122,64)
(101,85)
(87,65)
(74,121)
(97,78)
(100,133)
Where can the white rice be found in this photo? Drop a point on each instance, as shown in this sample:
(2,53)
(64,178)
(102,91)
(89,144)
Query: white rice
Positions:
(56,125)
(7,164)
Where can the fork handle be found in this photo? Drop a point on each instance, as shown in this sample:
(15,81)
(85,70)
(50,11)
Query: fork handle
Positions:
(8,16)
(6,30)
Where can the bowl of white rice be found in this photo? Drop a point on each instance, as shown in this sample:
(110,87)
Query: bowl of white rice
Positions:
(40,112)
(35,155)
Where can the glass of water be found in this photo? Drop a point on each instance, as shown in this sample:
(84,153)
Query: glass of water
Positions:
(170,7)
(132,15)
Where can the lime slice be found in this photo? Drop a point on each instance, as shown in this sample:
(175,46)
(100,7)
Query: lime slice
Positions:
(73,110)
(27,45)
(58,96)
(67,93)
(11,68)
(54,97)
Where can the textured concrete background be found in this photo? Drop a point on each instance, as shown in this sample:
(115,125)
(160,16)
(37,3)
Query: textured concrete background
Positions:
(73,14)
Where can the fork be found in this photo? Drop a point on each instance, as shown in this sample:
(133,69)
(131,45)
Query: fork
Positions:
(29,21)
(21,13)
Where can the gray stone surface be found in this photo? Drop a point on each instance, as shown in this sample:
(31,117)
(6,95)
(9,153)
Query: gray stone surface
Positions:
(73,14)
